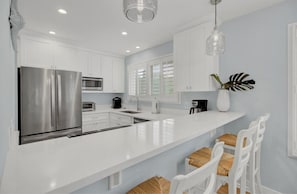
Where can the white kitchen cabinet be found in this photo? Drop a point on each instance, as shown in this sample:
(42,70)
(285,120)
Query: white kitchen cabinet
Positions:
(113,73)
(50,54)
(36,53)
(106,65)
(118,75)
(94,65)
(95,121)
(66,58)
(192,66)
(120,120)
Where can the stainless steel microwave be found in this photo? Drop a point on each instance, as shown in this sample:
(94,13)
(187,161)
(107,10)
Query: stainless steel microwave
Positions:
(92,84)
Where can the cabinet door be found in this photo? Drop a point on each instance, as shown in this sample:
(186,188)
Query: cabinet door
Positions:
(199,61)
(118,76)
(83,60)
(36,53)
(66,58)
(181,61)
(199,76)
(94,66)
(106,64)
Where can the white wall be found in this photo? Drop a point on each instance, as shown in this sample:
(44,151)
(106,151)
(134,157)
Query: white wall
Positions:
(7,82)
(257,44)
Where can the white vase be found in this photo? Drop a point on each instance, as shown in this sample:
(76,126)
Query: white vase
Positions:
(223,101)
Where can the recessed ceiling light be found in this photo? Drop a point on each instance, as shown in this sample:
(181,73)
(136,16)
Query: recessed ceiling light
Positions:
(62,11)
(52,32)
(128,51)
(124,33)
(138,47)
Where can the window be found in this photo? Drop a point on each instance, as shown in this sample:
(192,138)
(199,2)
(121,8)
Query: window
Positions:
(153,79)
(292,87)
(138,81)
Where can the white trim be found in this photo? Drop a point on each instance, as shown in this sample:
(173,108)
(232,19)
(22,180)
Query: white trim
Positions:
(33,35)
(292,90)
(266,190)
(150,60)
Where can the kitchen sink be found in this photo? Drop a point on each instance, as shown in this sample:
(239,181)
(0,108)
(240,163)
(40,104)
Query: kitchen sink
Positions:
(130,111)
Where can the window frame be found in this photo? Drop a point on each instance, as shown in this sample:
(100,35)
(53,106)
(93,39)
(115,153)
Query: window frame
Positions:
(292,90)
(172,98)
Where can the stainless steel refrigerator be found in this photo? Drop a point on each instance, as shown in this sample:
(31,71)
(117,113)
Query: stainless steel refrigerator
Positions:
(49,103)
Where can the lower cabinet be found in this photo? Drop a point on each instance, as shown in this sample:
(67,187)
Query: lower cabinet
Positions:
(99,121)
(119,120)
(96,121)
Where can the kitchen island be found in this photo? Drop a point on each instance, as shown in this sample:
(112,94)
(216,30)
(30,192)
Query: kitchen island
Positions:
(66,164)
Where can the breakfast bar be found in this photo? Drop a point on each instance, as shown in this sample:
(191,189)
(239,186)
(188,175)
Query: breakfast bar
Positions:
(64,165)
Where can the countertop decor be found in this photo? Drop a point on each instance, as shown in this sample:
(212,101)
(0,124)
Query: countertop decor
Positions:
(237,82)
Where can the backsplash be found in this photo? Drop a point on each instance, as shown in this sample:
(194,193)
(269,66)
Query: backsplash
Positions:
(100,98)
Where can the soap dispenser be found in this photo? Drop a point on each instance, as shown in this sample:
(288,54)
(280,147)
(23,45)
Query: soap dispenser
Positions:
(155,106)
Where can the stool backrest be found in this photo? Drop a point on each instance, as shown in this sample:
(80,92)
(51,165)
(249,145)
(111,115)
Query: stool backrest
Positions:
(207,172)
(244,145)
(260,132)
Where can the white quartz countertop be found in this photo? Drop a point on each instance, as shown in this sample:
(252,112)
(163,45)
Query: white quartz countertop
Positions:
(64,165)
(144,114)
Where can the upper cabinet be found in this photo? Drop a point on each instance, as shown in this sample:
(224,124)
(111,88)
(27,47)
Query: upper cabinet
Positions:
(42,53)
(113,71)
(193,66)
(36,53)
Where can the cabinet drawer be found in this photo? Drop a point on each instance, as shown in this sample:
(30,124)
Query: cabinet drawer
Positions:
(91,126)
(95,117)
(120,119)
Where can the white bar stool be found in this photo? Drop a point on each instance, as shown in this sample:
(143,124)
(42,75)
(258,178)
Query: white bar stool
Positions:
(185,183)
(232,168)
(254,178)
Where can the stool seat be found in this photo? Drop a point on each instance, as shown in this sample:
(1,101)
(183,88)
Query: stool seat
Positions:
(228,139)
(202,156)
(154,185)
(224,190)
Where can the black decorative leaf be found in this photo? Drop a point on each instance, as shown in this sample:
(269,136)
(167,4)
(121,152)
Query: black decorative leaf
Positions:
(237,82)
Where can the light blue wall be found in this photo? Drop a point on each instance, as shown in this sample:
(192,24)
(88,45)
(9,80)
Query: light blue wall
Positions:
(7,82)
(257,44)
(186,98)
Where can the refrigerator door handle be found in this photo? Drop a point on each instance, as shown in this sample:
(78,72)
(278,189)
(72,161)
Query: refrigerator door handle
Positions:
(59,95)
(53,100)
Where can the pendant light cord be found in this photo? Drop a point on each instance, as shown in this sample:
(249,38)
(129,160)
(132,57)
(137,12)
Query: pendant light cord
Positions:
(216,14)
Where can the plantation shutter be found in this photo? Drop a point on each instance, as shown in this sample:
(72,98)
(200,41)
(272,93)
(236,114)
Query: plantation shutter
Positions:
(168,77)
(142,82)
(155,79)
(132,83)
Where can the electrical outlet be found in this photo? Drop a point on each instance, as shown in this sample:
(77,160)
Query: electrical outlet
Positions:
(115,180)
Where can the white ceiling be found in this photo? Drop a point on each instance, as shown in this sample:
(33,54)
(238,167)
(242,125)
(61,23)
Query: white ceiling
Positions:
(97,24)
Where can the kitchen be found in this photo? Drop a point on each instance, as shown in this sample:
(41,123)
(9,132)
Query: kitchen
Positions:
(244,52)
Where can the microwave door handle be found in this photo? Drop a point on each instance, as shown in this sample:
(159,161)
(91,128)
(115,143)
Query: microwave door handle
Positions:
(53,100)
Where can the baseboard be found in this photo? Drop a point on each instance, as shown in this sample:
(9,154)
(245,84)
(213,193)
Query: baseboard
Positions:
(267,190)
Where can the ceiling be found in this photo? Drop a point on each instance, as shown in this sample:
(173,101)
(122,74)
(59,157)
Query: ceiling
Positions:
(97,24)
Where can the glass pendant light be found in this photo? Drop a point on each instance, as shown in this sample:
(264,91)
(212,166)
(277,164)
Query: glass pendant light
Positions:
(215,44)
(140,11)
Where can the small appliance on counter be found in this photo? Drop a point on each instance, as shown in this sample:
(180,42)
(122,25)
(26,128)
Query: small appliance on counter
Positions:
(198,106)
(88,106)
(155,106)
(116,102)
